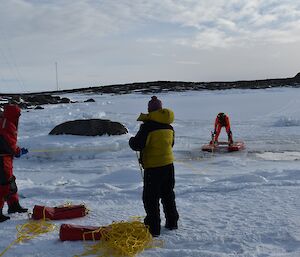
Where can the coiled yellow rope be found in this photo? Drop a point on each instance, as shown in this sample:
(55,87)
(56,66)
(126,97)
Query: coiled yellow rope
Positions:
(31,230)
(122,239)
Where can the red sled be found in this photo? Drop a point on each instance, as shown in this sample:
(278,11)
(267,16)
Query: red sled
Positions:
(70,232)
(59,213)
(224,146)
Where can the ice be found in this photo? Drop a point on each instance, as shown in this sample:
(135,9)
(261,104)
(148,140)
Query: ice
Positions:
(243,204)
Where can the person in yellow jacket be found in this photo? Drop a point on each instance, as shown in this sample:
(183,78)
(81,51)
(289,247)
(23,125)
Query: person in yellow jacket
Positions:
(154,141)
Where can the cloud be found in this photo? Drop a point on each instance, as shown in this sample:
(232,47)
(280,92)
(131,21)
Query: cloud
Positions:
(238,23)
(92,39)
(231,22)
(188,62)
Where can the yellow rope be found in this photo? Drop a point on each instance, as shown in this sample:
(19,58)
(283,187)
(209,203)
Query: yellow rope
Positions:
(121,239)
(67,149)
(31,230)
(191,167)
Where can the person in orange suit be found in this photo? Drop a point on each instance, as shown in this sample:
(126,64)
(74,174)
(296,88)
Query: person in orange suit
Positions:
(222,120)
(8,151)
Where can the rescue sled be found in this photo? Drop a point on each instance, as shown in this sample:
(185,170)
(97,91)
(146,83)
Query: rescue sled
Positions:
(224,146)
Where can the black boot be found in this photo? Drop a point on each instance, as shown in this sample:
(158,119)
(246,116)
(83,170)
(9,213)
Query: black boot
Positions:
(154,227)
(16,207)
(171,225)
(3,217)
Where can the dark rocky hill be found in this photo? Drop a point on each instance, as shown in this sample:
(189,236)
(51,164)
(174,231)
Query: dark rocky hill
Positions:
(162,86)
(34,99)
(165,86)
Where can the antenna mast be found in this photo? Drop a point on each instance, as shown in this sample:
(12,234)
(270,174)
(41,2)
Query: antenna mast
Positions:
(57,88)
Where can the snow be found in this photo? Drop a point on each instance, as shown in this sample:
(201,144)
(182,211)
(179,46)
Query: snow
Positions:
(242,204)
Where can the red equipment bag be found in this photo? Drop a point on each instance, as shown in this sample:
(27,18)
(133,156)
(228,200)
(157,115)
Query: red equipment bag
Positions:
(59,213)
(70,232)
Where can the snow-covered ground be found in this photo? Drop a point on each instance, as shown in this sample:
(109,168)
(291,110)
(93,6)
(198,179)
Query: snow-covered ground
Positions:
(230,204)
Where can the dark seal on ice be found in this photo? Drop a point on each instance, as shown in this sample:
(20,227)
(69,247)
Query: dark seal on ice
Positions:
(91,127)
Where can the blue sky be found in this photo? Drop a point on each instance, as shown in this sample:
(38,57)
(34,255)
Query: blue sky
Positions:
(122,41)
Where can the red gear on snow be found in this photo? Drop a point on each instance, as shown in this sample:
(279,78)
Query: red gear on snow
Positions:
(69,232)
(59,212)
(8,149)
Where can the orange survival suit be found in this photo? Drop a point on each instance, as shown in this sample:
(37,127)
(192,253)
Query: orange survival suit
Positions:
(8,150)
(222,120)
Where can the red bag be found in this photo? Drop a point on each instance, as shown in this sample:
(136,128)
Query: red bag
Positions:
(74,232)
(59,213)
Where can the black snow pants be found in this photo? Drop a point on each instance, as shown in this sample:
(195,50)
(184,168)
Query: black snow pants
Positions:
(159,184)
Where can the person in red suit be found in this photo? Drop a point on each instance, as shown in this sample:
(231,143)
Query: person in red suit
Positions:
(8,150)
(222,120)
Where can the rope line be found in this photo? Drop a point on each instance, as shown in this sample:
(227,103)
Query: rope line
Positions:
(11,63)
(58,150)
(125,238)
(31,230)
(191,166)
(140,165)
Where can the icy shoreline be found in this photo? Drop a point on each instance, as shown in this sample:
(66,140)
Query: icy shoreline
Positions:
(243,204)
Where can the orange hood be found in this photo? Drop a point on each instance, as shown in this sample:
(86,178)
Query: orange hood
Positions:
(12,113)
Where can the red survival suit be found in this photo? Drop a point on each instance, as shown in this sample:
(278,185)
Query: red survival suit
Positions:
(222,120)
(8,149)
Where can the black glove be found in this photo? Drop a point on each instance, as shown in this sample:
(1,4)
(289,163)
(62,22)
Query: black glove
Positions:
(22,152)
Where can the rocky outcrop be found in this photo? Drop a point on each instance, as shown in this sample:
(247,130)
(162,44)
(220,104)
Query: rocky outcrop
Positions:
(25,101)
(166,86)
(91,127)
(34,99)
(44,99)
(91,100)
(297,77)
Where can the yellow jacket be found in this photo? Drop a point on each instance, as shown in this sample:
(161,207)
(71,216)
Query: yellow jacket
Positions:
(155,138)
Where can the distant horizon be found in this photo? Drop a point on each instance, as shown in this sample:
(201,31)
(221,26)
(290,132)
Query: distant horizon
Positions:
(141,82)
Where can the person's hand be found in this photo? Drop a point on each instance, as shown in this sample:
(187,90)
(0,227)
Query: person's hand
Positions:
(22,151)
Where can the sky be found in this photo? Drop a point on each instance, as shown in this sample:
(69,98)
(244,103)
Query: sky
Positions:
(97,43)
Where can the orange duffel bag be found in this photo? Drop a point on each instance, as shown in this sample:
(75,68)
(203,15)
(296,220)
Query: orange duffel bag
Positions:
(70,232)
(59,213)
